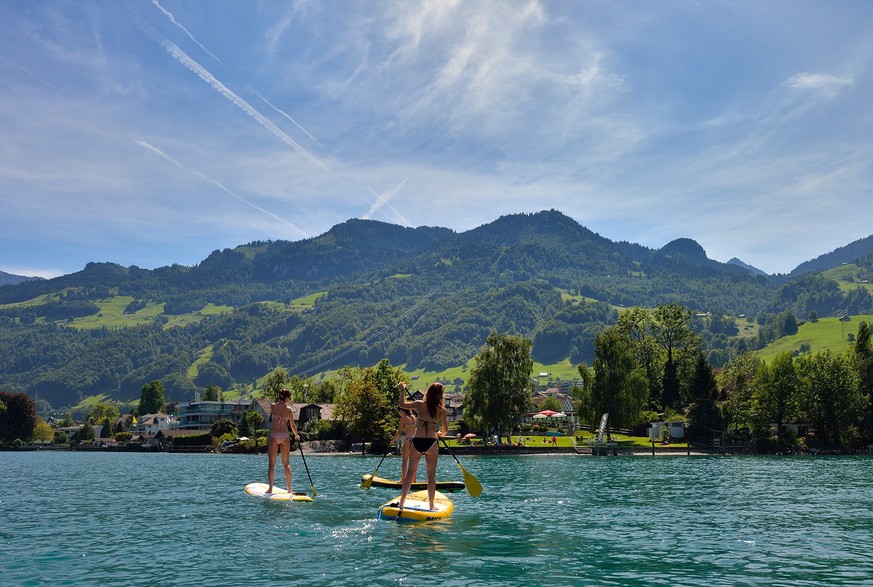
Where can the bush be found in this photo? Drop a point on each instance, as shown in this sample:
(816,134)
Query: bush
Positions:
(204,439)
(123,436)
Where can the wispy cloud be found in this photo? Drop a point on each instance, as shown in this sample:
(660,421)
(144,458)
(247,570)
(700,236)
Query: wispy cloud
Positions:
(817,80)
(221,186)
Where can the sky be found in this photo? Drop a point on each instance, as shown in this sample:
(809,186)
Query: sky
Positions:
(153,132)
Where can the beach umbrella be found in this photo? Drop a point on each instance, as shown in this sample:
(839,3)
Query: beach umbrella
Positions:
(546,413)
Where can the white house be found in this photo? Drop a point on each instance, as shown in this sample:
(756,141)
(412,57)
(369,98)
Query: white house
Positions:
(674,429)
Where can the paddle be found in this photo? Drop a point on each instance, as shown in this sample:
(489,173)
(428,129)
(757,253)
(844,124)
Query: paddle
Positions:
(365,484)
(470,482)
(307,469)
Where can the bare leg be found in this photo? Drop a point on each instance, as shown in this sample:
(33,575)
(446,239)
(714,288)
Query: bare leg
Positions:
(404,460)
(286,464)
(273,448)
(430,460)
(414,458)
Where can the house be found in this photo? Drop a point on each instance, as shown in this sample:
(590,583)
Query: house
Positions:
(454,406)
(795,430)
(567,405)
(200,416)
(303,412)
(151,424)
(675,429)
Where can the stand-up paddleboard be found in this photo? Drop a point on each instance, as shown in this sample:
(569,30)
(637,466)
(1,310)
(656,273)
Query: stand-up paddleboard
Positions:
(278,494)
(416,508)
(442,485)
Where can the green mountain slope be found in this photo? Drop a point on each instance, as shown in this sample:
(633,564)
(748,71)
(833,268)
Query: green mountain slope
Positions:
(426,298)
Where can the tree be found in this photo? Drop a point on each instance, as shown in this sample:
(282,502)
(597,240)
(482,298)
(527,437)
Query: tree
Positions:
(620,386)
(43,432)
(637,325)
(151,398)
(830,399)
(671,328)
(221,427)
(738,384)
(106,431)
(86,432)
(775,394)
(19,418)
(551,403)
(212,393)
(862,360)
(364,408)
(500,383)
(276,380)
(102,411)
(582,394)
(251,424)
(703,415)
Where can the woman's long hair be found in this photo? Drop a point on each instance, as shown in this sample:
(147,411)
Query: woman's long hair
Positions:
(434,399)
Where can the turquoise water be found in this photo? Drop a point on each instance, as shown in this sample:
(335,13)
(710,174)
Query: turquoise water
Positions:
(168,519)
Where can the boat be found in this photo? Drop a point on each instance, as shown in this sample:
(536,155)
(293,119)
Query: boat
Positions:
(416,508)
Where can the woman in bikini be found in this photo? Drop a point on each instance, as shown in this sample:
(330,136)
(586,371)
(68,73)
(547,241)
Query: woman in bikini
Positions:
(281,415)
(432,424)
(405,432)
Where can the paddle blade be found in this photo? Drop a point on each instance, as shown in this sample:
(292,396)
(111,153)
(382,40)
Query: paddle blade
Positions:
(472,484)
(368,480)
(313,490)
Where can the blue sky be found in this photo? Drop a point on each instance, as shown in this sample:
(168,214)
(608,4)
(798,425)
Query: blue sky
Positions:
(154,132)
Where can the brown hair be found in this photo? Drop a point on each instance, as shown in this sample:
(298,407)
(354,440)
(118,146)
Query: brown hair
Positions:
(434,399)
(284,393)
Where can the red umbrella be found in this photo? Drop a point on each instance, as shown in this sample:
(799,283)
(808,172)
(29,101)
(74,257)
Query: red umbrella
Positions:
(546,413)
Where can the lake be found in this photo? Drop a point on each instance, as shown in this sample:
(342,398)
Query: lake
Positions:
(76,518)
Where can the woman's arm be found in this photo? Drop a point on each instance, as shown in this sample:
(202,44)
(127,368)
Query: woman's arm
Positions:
(445,423)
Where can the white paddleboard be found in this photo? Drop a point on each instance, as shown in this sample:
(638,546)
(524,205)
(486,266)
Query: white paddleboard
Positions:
(278,494)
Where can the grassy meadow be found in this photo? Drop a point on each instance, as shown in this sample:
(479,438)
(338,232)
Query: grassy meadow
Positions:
(824,334)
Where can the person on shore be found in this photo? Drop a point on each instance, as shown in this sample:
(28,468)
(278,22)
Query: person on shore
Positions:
(281,416)
(432,423)
(405,432)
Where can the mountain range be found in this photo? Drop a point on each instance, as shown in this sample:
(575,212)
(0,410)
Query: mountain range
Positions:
(424,297)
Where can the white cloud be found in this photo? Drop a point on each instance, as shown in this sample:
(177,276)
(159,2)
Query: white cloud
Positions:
(817,80)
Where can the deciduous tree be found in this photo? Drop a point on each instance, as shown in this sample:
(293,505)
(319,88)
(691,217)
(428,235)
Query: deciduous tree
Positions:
(151,399)
(500,382)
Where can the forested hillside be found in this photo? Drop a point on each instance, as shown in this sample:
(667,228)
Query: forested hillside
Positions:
(426,298)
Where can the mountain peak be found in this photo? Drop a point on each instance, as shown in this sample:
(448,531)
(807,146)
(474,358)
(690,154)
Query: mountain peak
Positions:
(684,247)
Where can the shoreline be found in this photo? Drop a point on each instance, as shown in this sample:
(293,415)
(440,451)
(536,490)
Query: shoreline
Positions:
(322,448)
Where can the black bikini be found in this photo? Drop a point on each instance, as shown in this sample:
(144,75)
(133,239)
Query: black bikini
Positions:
(423,443)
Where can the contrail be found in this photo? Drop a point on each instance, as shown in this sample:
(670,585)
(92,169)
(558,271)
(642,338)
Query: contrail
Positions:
(383,199)
(173,20)
(219,185)
(210,79)
(283,113)
(190,36)
(243,105)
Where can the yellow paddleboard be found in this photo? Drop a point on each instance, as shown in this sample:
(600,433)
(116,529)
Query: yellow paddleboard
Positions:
(278,494)
(382,482)
(416,508)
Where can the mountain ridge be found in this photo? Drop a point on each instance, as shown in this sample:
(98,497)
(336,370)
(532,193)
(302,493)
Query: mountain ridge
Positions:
(424,297)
